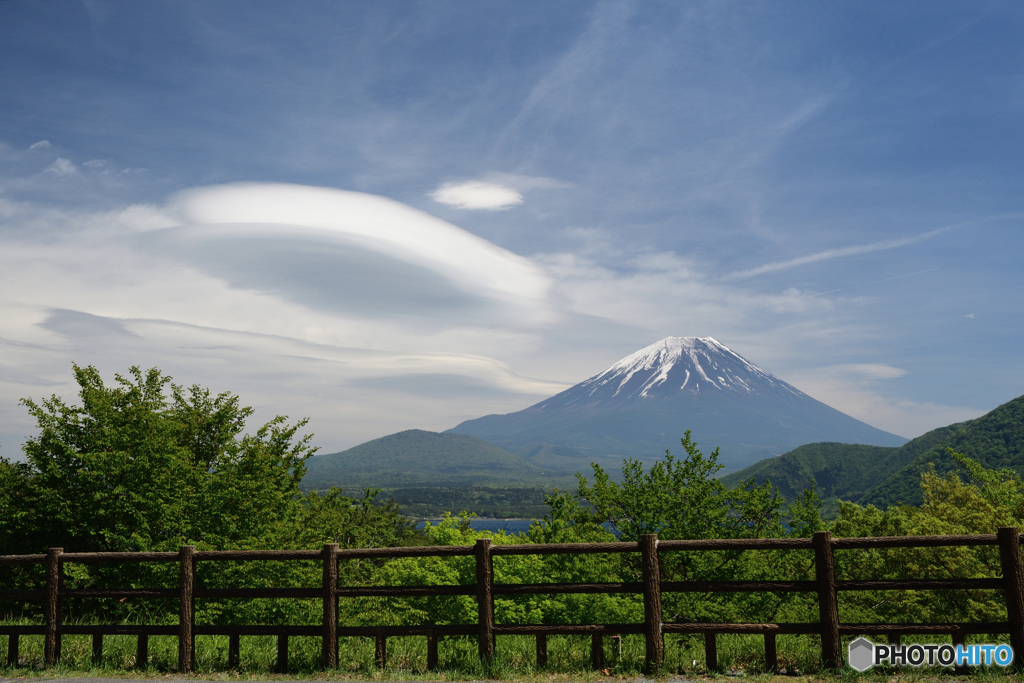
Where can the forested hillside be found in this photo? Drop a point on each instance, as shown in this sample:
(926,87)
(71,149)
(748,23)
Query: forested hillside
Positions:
(416,458)
(996,440)
(889,476)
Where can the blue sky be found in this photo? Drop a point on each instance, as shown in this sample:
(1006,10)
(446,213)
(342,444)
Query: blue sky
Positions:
(395,215)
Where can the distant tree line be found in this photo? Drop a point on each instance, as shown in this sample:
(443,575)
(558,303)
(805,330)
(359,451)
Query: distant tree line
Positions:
(431,502)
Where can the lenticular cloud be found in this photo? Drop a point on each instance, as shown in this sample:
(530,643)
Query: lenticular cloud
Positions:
(370,223)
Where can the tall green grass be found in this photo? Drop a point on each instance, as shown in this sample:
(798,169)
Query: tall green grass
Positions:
(515,657)
(457,656)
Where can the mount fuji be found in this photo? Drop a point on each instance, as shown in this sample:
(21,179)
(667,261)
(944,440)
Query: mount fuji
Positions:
(641,405)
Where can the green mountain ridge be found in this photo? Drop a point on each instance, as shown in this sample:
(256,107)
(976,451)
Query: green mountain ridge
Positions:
(884,476)
(417,458)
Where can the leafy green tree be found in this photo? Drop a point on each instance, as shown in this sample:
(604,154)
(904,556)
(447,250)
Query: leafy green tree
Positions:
(674,498)
(132,468)
(682,498)
(145,464)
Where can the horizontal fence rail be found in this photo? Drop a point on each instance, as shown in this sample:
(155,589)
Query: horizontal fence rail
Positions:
(651,587)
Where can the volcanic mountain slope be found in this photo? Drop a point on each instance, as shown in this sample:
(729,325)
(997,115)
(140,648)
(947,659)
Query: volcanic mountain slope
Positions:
(641,405)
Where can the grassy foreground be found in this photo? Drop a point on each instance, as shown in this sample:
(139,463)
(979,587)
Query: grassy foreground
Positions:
(568,659)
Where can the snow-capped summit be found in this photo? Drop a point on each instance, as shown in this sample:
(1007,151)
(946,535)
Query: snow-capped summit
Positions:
(682,364)
(667,368)
(642,404)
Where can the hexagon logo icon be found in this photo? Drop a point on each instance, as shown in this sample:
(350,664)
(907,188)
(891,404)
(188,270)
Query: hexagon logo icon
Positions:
(861,654)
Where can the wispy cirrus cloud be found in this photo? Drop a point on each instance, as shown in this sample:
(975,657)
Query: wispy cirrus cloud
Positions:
(522,183)
(829,254)
(872,370)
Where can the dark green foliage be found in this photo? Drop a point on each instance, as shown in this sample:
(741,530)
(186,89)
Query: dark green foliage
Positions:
(334,518)
(17,502)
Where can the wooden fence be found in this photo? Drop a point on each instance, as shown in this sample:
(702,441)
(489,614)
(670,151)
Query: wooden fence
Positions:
(825,586)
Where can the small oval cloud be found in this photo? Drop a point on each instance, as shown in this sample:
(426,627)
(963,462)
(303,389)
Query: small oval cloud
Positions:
(477,195)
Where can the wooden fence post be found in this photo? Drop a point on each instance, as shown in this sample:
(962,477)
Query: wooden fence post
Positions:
(542,650)
(655,643)
(186,607)
(485,599)
(234,650)
(330,599)
(12,650)
(597,651)
(711,652)
(828,606)
(1013,576)
(432,652)
(52,646)
(282,653)
(142,651)
(381,651)
(771,654)
(97,647)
